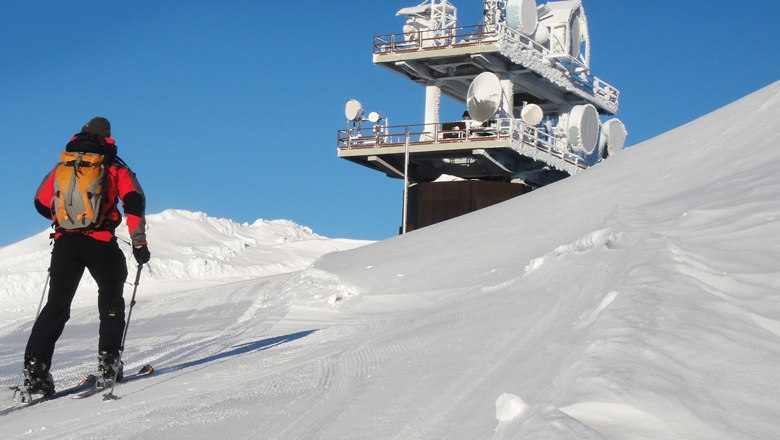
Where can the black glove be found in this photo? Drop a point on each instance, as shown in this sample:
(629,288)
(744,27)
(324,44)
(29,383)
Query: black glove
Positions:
(141,253)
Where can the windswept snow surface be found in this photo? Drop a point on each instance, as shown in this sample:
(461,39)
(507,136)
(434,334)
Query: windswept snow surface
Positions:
(637,300)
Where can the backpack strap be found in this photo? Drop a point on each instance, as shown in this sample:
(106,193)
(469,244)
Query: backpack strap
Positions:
(119,160)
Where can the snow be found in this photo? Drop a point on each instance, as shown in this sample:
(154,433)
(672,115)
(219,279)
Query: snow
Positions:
(636,300)
(508,408)
(190,249)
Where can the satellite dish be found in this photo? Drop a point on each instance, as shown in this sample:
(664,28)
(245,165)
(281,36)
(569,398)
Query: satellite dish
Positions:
(484,96)
(521,16)
(353,110)
(582,128)
(576,35)
(613,136)
(415,11)
(531,114)
(374,117)
(542,35)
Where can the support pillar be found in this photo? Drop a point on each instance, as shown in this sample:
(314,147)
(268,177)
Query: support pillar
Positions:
(432,107)
(508,97)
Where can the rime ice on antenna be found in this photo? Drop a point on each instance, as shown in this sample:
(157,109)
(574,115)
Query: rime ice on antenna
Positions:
(533,108)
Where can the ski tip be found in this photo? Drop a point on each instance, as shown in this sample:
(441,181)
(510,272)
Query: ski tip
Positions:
(146,369)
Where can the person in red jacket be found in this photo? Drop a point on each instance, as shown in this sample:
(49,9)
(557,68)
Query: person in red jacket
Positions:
(95,249)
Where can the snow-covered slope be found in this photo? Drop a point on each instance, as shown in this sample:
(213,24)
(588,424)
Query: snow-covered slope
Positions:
(638,300)
(188,249)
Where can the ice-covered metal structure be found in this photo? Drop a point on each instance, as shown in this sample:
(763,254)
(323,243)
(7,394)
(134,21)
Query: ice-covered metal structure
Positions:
(535,113)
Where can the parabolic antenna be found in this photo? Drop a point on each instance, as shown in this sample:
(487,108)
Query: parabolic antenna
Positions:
(374,117)
(582,129)
(484,96)
(418,11)
(613,136)
(353,110)
(532,114)
(576,35)
(542,35)
(521,16)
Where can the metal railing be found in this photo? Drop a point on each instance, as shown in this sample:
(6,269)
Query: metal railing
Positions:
(479,35)
(379,136)
(434,39)
(575,69)
(545,143)
(514,130)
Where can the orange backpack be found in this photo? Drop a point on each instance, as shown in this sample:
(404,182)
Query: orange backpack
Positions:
(79,180)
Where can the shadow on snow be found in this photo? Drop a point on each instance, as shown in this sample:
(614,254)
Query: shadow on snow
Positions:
(237,350)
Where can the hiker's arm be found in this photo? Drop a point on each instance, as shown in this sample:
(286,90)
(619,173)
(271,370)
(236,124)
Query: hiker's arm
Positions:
(44,195)
(133,205)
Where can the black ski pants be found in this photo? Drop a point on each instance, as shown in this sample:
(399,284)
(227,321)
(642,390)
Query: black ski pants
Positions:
(70,256)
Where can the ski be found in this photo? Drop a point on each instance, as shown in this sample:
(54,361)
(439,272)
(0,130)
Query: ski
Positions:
(87,383)
(101,385)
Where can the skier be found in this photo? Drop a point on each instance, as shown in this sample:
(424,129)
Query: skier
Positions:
(93,247)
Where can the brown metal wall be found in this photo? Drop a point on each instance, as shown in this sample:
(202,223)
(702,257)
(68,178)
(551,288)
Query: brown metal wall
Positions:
(434,202)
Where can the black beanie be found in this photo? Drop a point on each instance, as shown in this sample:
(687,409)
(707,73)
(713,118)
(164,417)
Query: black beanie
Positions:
(98,126)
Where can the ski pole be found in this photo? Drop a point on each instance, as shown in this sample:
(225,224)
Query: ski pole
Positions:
(37,313)
(45,285)
(110,395)
(43,294)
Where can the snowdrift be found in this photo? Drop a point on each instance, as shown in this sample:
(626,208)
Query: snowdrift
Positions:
(637,300)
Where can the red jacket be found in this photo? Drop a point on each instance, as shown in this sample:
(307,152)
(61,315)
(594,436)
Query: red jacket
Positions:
(121,184)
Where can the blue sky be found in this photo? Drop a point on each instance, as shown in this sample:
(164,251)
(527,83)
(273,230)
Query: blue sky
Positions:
(232,107)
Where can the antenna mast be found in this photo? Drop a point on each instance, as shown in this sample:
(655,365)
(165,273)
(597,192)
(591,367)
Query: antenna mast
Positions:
(493,12)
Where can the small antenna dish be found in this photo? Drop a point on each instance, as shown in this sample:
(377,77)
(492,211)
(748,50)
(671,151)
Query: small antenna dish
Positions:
(582,128)
(613,136)
(521,16)
(484,96)
(532,114)
(374,117)
(353,110)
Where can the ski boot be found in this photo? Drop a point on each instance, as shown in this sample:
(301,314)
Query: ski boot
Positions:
(37,379)
(108,365)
